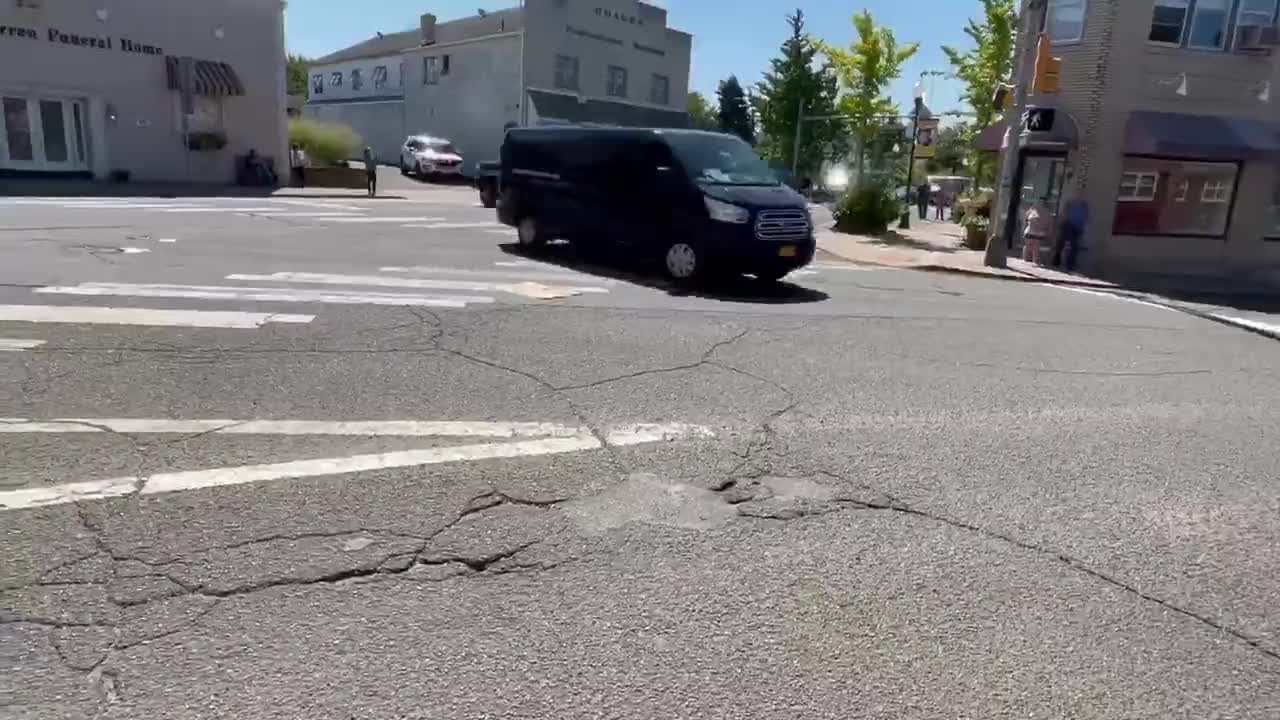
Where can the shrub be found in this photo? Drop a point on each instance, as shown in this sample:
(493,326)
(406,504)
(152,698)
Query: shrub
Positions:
(972,204)
(324,143)
(867,209)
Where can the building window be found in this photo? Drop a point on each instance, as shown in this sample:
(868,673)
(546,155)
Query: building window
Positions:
(660,91)
(444,65)
(317,84)
(1065,22)
(357,79)
(380,77)
(566,72)
(1157,197)
(1206,24)
(1209,24)
(1257,13)
(1138,187)
(335,79)
(1215,191)
(617,86)
(430,71)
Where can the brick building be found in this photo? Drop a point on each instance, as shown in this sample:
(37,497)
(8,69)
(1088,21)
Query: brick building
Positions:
(1168,124)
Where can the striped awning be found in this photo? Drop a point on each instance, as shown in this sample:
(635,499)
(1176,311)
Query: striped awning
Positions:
(207,77)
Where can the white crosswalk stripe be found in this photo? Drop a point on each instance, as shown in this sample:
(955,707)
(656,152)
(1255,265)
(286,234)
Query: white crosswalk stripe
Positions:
(404,286)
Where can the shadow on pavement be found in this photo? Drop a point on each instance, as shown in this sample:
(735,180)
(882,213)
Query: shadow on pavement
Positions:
(728,288)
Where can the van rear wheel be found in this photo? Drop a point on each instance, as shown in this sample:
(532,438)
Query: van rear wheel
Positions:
(683,262)
(529,232)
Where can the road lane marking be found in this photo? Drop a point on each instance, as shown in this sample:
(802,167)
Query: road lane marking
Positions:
(454,226)
(161,483)
(308,214)
(387,219)
(265,294)
(144,316)
(509,232)
(1113,296)
(323,205)
(526,289)
(18,344)
(219,209)
(134,250)
(355,428)
(559,276)
(167,240)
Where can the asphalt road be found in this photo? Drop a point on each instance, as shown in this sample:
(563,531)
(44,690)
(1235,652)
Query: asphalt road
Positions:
(574,492)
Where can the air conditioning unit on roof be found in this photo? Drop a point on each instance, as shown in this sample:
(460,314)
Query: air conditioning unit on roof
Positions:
(1257,38)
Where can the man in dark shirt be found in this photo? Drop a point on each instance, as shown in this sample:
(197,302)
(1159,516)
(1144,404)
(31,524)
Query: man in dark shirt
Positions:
(1075,218)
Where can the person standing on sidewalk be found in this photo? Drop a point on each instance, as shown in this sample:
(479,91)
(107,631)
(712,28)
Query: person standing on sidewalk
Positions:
(298,161)
(371,170)
(922,200)
(1035,231)
(1075,218)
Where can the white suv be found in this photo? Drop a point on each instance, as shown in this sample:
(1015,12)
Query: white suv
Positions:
(427,156)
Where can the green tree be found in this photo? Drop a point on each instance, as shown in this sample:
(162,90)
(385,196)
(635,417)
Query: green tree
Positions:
(954,150)
(984,66)
(735,110)
(701,115)
(866,68)
(296,74)
(793,80)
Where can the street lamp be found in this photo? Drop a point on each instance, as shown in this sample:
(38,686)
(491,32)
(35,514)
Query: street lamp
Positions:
(917,94)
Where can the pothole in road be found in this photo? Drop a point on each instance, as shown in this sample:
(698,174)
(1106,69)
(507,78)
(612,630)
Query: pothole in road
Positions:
(648,498)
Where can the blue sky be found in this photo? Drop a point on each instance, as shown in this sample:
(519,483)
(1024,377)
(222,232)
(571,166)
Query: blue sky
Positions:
(729,36)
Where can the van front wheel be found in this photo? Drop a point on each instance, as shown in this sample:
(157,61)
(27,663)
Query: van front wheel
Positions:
(683,262)
(529,233)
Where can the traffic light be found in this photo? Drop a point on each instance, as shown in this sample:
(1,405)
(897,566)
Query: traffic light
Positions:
(1048,68)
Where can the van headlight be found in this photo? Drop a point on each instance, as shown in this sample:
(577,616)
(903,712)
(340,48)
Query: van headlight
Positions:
(725,212)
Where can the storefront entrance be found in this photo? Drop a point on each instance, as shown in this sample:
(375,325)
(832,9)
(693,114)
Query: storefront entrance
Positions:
(43,134)
(1039,182)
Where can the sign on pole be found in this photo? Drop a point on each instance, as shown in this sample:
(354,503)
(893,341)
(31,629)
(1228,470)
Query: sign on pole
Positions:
(926,138)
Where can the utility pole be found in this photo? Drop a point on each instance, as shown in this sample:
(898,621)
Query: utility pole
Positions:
(904,223)
(997,254)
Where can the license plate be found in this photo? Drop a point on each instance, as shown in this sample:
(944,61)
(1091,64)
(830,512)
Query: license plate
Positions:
(787,251)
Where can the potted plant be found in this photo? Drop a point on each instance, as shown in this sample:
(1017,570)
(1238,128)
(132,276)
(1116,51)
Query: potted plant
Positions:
(976,230)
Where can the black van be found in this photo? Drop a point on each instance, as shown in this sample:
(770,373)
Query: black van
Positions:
(700,201)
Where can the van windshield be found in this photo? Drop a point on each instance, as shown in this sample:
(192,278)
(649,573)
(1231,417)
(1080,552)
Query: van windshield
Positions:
(720,160)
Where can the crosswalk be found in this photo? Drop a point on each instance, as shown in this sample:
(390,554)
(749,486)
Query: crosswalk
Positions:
(408,214)
(257,298)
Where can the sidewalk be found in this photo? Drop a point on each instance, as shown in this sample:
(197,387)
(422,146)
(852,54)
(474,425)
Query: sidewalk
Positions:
(936,247)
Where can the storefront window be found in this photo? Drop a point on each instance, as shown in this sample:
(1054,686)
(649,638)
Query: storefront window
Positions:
(1175,197)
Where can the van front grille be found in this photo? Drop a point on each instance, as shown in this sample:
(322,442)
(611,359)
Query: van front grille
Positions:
(782,225)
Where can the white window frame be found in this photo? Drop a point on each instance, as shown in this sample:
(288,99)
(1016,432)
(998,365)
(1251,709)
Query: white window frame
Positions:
(1184,188)
(1136,195)
(1190,29)
(1057,5)
(562,79)
(1182,29)
(317,84)
(357,79)
(430,70)
(379,77)
(1215,192)
(663,81)
(335,79)
(621,90)
(1239,23)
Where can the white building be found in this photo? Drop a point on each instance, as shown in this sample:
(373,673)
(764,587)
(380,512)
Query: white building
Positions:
(608,62)
(155,90)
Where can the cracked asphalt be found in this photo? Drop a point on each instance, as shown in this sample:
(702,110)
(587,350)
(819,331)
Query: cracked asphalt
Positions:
(920,497)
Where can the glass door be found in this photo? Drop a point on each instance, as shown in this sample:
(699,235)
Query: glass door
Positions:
(19,141)
(1042,177)
(43,134)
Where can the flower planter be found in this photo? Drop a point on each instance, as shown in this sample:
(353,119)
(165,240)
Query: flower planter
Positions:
(975,236)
